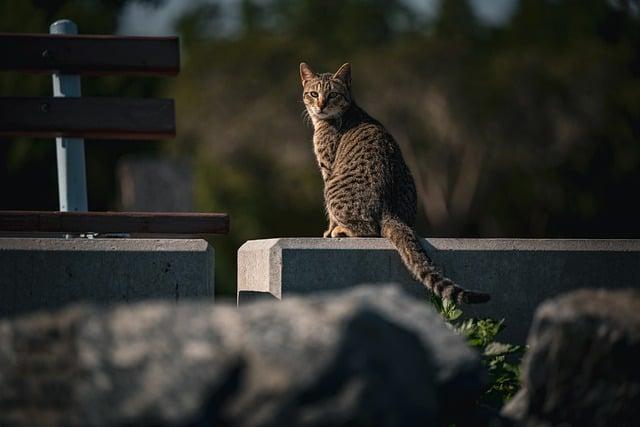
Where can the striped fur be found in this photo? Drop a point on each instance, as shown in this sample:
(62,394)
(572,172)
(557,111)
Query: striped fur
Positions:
(368,189)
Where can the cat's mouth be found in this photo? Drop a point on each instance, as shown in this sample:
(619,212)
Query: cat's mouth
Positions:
(324,115)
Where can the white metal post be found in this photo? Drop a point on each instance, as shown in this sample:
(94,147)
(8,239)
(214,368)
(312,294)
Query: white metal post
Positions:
(72,183)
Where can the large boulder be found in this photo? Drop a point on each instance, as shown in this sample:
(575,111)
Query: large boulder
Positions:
(369,356)
(583,364)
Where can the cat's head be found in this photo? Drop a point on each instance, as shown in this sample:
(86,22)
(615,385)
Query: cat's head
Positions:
(327,95)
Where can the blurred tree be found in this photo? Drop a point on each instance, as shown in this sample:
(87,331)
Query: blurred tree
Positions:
(252,16)
(456,20)
(342,24)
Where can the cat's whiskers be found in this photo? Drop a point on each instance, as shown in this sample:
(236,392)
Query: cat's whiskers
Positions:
(306,118)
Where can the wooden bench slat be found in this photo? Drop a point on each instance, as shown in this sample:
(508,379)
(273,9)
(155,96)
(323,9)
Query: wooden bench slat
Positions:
(110,118)
(115,222)
(89,54)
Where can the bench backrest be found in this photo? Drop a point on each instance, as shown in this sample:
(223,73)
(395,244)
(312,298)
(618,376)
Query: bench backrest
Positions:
(69,118)
(71,55)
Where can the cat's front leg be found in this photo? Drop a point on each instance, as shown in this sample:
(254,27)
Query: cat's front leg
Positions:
(332,225)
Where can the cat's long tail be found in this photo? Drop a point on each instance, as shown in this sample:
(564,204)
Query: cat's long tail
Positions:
(417,261)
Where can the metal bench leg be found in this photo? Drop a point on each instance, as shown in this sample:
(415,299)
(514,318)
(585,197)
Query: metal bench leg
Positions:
(72,182)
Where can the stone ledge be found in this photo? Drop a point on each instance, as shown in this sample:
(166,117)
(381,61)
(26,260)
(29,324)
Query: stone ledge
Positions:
(518,273)
(47,273)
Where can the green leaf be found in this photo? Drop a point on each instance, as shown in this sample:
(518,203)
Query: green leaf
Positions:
(481,334)
(497,349)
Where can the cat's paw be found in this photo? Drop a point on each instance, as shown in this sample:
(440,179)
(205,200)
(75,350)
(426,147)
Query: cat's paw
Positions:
(340,231)
(327,234)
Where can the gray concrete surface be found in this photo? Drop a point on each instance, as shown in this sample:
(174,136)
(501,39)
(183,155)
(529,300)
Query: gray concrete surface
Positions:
(47,273)
(519,274)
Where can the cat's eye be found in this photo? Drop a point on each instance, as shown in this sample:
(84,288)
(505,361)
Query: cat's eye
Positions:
(332,95)
(313,94)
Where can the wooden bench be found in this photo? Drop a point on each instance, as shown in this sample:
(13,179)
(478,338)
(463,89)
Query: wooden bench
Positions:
(69,118)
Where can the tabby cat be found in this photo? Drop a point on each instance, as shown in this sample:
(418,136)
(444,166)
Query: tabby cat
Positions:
(368,189)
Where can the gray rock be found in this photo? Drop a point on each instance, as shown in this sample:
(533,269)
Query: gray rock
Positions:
(370,356)
(583,364)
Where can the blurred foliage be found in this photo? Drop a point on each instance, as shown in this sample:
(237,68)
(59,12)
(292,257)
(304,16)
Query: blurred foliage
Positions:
(501,360)
(529,129)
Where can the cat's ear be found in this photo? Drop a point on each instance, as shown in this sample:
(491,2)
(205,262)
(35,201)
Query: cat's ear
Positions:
(344,74)
(306,73)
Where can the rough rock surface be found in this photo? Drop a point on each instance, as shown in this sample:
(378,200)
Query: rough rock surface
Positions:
(369,356)
(583,364)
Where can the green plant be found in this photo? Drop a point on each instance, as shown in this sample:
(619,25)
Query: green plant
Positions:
(502,360)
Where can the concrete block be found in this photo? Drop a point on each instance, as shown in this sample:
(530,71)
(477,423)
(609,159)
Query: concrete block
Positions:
(519,274)
(47,273)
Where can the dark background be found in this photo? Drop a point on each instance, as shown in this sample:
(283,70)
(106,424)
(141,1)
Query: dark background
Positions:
(517,118)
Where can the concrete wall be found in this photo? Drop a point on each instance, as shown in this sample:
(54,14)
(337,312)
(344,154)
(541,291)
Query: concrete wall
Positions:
(46,273)
(519,274)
